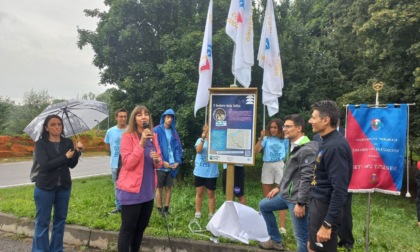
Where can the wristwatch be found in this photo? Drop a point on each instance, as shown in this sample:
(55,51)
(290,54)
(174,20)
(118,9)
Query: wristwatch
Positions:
(326,225)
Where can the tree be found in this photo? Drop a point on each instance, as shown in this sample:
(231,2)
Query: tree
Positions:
(89,96)
(34,102)
(6,105)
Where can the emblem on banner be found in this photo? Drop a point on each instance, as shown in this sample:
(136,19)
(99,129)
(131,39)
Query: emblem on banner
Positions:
(373,179)
(376,124)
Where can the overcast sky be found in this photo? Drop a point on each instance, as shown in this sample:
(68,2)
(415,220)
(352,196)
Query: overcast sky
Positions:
(38,48)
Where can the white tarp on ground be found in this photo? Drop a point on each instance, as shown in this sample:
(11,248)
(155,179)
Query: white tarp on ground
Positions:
(238,222)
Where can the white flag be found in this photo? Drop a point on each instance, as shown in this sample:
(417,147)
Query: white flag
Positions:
(205,68)
(269,60)
(239,27)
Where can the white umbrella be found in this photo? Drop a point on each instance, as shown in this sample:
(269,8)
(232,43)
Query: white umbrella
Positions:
(78,116)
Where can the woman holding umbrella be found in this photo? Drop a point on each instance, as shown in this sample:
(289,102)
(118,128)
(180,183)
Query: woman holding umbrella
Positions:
(137,179)
(55,155)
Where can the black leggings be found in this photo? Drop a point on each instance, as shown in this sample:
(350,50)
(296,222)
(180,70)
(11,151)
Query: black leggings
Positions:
(134,220)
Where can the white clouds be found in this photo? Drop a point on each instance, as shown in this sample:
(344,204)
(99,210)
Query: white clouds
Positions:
(38,48)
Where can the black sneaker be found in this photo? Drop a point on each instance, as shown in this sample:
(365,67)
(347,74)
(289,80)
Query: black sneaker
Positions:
(160,211)
(166,212)
(115,211)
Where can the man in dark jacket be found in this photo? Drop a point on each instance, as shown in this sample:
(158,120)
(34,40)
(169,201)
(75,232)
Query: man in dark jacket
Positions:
(345,230)
(332,173)
(171,148)
(293,192)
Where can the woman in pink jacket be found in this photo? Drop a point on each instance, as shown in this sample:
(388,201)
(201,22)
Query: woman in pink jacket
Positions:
(137,179)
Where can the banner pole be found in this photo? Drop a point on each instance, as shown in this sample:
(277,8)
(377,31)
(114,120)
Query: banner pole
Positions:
(407,195)
(377,86)
(367,225)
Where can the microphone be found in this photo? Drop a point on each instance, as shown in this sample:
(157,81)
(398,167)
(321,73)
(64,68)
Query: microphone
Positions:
(145,126)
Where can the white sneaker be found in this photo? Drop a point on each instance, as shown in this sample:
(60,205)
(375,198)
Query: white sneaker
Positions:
(282,230)
(197,215)
(210,215)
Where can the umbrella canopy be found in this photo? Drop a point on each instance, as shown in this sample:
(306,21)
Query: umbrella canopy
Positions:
(78,116)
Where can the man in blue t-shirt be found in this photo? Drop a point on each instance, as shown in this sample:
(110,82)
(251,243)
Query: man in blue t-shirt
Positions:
(113,139)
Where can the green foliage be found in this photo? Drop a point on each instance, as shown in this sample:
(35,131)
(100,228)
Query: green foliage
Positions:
(34,103)
(89,96)
(6,105)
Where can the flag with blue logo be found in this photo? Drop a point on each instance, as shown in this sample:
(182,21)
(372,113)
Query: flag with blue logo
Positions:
(269,60)
(239,28)
(205,67)
(377,137)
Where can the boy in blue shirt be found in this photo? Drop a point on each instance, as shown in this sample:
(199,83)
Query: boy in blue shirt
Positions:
(113,139)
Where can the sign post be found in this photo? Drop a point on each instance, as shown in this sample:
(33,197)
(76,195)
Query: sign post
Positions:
(232,124)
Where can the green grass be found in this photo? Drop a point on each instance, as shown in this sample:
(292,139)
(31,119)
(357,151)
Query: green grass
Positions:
(393,223)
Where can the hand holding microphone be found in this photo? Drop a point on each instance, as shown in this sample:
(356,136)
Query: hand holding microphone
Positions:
(146,134)
(146,131)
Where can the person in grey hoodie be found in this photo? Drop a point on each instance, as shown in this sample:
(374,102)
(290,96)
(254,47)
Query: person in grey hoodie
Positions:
(293,192)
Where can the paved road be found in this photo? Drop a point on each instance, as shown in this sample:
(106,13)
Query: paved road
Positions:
(10,242)
(16,174)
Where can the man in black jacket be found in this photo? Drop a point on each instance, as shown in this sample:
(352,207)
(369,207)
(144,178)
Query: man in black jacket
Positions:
(344,232)
(332,173)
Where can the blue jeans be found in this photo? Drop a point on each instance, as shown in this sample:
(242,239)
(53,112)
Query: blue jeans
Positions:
(114,178)
(45,201)
(300,225)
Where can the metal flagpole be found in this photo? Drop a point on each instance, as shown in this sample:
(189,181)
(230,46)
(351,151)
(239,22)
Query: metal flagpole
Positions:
(264,117)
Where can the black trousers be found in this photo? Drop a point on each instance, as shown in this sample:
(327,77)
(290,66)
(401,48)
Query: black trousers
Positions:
(134,220)
(317,212)
(345,233)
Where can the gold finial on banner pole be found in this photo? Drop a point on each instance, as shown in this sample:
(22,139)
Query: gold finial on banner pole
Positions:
(377,86)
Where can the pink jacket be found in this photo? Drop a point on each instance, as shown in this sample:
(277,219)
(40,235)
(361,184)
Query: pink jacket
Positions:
(132,154)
